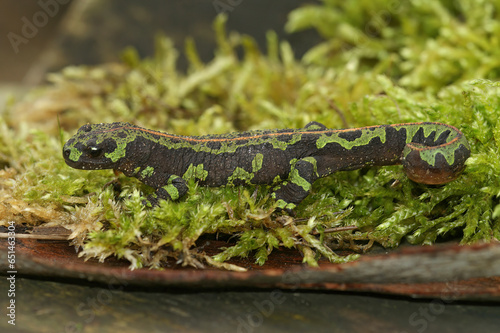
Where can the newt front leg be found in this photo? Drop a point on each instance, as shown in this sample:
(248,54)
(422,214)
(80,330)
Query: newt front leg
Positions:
(303,173)
(168,187)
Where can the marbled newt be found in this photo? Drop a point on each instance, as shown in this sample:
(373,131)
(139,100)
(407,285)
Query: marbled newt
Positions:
(288,159)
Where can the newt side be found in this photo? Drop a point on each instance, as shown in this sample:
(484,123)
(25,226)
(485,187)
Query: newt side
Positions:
(288,159)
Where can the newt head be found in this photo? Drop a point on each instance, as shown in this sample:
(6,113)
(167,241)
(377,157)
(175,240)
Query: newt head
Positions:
(97,146)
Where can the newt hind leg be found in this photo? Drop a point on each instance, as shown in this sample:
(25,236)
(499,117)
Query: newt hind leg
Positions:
(292,191)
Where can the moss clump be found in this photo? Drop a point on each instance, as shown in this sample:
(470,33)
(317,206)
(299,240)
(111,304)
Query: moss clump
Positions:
(375,80)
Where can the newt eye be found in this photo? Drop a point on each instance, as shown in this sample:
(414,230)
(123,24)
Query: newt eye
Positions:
(86,128)
(94,151)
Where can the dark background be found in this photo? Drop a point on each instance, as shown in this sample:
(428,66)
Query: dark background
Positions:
(96,31)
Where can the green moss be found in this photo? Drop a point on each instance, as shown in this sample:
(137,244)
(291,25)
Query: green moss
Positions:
(410,68)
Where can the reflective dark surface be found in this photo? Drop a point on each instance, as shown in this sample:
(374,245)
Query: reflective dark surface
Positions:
(47,306)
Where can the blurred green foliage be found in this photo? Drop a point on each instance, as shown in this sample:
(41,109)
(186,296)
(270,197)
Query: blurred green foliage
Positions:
(423,45)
